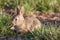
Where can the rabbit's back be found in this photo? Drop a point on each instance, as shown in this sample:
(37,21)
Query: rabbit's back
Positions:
(31,23)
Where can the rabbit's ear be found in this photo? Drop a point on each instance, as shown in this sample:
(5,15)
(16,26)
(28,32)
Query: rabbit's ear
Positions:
(20,10)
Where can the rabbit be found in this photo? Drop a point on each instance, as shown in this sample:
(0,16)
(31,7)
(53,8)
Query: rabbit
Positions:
(24,24)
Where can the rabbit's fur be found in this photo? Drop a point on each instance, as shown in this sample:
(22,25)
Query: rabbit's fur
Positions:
(24,24)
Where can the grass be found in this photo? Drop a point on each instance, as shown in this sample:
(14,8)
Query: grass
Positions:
(40,5)
(45,33)
(5,23)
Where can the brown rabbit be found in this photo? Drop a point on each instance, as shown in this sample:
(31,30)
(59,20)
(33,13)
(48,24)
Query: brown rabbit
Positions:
(24,24)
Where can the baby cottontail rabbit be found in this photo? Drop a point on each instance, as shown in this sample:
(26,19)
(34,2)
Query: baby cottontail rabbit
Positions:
(24,24)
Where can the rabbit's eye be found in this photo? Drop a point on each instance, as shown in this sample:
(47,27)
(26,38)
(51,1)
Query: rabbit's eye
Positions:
(16,19)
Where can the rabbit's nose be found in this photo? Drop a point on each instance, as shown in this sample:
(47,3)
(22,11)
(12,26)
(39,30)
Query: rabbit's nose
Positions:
(13,23)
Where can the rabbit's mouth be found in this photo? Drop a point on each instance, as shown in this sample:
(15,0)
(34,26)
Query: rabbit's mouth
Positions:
(13,27)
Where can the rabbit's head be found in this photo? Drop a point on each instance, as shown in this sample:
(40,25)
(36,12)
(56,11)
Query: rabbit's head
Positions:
(18,19)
